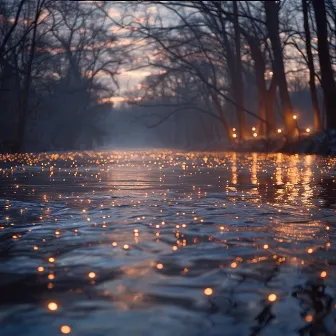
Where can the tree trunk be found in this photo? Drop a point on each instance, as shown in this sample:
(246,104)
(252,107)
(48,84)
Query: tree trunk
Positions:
(259,67)
(27,81)
(222,117)
(239,76)
(272,22)
(270,102)
(327,74)
(312,85)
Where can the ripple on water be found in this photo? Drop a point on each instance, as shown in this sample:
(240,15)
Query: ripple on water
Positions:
(127,242)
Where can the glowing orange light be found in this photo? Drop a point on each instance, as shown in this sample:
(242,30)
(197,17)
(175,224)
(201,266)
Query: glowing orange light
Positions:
(253,129)
(309,318)
(255,135)
(234,135)
(51,276)
(279,130)
(266,246)
(310,251)
(52,306)
(234,265)
(272,297)
(51,259)
(65,330)
(294,116)
(92,275)
(323,274)
(126,247)
(40,269)
(208,291)
(308,130)
(159,266)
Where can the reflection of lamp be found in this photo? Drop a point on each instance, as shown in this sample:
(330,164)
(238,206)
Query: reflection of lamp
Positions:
(255,135)
(279,130)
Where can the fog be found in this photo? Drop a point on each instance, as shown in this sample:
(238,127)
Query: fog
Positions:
(96,74)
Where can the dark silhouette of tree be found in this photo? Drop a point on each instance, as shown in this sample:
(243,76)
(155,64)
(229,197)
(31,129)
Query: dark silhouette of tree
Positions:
(327,74)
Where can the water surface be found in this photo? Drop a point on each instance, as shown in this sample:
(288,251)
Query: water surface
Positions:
(130,243)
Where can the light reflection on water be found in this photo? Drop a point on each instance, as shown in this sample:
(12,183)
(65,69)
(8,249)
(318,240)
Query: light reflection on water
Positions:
(128,243)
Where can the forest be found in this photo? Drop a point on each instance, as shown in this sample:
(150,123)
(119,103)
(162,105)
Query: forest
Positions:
(188,74)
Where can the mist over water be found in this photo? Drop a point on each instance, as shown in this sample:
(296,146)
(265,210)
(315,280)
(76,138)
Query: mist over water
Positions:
(130,243)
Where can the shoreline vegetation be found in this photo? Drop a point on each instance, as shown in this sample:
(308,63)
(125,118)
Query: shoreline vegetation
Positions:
(321,143)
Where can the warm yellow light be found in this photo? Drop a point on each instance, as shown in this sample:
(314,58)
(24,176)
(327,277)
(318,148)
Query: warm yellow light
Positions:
(92,275)
(159,266)
(234,130)
(272,297)
(126,247)
(323,274)
(310,251)
(279,130)
(174,248)
(266,246)
(294,116)
(234,135)
(255,135)
(65,330)
(52,306)
(51,276)
(234,265)
(114,244)
(308,130)
(40,269)
(309,318)
(253,129)
(208,291)
(51,259)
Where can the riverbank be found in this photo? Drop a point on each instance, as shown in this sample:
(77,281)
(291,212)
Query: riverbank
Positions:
(322,143)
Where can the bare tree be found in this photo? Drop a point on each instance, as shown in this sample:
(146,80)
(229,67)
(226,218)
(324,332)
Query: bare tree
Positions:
(272,22)
(327,74)
(311,66)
